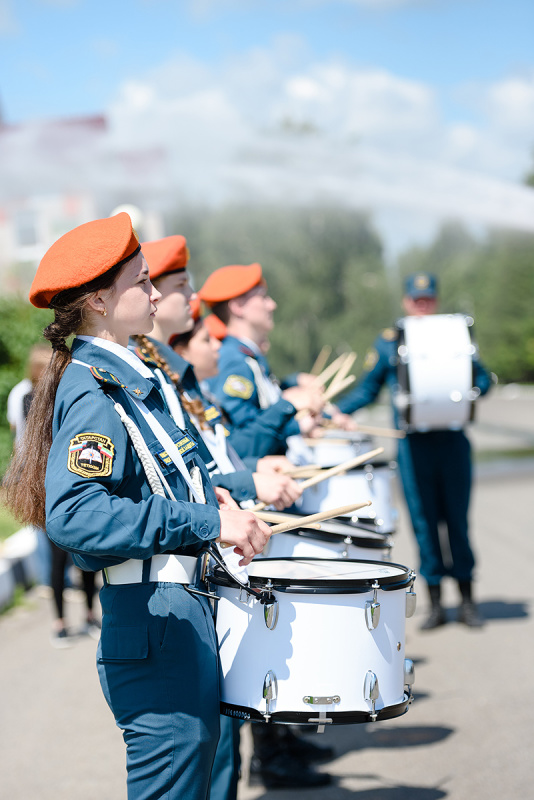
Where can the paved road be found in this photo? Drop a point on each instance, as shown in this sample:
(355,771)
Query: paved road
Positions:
(468,735)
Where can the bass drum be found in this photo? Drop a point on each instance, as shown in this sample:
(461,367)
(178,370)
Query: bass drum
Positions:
(321,641)
(334,540)
(372,482)
(435,372)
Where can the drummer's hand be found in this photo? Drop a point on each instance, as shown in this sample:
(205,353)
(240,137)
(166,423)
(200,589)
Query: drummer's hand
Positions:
(343,421)
(310,425)
(279,491)
(305,399)
(306,380)
(245,532)
(269,464)
(226,501)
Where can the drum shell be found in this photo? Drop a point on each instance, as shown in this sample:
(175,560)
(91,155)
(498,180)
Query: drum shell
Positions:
(339,446)
(372,482)
(320,647)
(334,540)
(435,372)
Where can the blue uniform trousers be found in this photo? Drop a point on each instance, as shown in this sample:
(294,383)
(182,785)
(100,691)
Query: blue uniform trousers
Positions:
(435,469)
(225,773)
(158,667)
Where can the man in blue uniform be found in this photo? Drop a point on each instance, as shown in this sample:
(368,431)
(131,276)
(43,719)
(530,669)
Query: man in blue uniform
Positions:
(435,466)
(244,387)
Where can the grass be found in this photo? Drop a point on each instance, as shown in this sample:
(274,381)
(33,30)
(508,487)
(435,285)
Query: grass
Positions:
(8,523)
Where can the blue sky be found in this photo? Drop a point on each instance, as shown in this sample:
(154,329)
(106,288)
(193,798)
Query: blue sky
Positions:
(437,94)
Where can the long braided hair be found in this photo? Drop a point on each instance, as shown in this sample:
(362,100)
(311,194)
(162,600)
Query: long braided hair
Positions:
(194,407)
(24,481)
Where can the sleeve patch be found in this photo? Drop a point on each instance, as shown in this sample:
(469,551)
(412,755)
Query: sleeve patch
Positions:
(91,455)
(238,386)
(389,334)
(370,360)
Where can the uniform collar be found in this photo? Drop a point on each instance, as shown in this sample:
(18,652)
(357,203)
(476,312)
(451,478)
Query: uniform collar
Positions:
(114,366)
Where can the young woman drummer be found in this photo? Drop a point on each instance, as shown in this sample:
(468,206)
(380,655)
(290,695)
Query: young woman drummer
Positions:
(127,493)
(167,261)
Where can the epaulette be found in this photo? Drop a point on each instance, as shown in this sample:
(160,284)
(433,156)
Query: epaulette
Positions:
(103,376)
(247,351)
(145,357)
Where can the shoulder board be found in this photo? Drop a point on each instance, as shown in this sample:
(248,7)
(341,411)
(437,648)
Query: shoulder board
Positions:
(103,376)
(389,334)
(144,356)
(247,351)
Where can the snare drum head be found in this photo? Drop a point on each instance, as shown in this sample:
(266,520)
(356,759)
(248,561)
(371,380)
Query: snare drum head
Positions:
(302,570)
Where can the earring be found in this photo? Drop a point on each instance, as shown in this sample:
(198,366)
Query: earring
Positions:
(104,313)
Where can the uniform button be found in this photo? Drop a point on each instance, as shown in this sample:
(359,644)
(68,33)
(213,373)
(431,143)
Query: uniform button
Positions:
(204,530)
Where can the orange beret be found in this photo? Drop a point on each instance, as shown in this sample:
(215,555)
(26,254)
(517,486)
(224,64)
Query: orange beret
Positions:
(170,254)
(195,306)
(216,327)
(228,282)
(83,254)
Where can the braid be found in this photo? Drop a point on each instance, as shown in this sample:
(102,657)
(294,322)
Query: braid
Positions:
(195,407)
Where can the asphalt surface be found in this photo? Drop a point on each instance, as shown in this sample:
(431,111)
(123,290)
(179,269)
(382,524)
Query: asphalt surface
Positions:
(467,735)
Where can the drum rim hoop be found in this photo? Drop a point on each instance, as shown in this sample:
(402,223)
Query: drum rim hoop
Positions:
(300,717)
(321,586)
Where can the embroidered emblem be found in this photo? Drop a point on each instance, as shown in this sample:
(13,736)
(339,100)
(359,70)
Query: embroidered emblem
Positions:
(91,455)
(370,359)
(184,445)
(237,386)
(389,334)
(421,282)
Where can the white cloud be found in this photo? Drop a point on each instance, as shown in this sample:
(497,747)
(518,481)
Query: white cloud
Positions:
(274,125)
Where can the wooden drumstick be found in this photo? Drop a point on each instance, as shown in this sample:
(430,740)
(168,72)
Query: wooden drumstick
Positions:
(302,470)
(329,473)
(352,463)
(344,371)
(391,433)
(320,361)
(336,388)
(329,372)
(308,522)
(319,517)
(279,516)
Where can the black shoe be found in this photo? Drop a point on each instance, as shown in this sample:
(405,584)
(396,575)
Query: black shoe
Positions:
(307,751)
(284,772)
(434,619)
(468,614)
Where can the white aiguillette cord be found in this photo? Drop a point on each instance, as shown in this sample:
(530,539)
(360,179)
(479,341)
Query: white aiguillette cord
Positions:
(193,482)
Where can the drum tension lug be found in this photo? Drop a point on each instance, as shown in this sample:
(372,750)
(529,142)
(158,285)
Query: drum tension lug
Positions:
(270,692)
(372,609)
(371,692)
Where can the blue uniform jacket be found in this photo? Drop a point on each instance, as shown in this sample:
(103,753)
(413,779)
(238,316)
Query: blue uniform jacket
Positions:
(264,430)
(99,505)
(240,484)
(381,369)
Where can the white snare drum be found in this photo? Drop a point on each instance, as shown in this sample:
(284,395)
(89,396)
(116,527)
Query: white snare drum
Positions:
(435,372)
(335,447)
(372,482)
(324,643)
(334,540)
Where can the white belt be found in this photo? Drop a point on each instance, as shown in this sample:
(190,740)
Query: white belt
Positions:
(167,568)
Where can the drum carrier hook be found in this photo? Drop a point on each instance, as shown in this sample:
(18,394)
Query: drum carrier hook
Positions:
(266,598)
